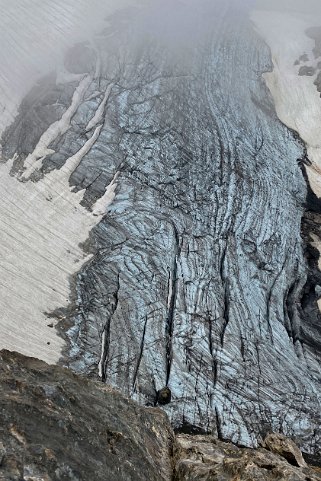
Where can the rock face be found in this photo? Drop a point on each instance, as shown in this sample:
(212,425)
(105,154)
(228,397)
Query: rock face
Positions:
(202,458)
(56,426)
(286,448)
(198,266)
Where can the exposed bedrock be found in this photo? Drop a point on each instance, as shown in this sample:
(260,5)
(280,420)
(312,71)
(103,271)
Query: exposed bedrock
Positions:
(56,426)
(198,270)
(202,458)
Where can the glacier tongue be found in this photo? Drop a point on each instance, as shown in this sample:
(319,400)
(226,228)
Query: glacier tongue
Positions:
(189,188)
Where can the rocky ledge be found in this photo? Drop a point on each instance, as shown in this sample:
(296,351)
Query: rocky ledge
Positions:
(203,458)
(57,426)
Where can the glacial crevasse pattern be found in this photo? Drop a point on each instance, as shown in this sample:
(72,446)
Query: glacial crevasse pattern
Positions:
(198,270)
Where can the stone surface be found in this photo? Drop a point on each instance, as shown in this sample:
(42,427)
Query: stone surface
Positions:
(279,444)
(199,280)
(202,458)
(306,70)
(56,426)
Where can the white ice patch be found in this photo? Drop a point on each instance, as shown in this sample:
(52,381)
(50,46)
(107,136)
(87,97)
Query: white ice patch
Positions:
(104,202)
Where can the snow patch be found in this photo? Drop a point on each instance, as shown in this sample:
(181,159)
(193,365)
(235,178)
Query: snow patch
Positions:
(296,98)
(42,228)
(35,159)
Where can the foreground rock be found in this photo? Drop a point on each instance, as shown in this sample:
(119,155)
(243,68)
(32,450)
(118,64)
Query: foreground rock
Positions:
(57,426)
(286,448)
(202,458)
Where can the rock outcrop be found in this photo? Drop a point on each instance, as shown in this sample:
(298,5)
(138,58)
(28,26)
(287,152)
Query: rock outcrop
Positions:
(279,444)
(56,426)
(202,458)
